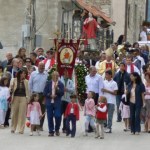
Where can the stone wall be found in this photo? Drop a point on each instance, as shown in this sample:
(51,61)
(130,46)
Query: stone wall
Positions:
(136,12)
(118,15)
(11,19)
(12,16)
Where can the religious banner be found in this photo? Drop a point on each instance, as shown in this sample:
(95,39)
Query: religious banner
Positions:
(66,56)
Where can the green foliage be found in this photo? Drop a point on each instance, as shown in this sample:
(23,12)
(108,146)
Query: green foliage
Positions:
(81,71)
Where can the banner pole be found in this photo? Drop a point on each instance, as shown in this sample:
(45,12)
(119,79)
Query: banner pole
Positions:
(56,46)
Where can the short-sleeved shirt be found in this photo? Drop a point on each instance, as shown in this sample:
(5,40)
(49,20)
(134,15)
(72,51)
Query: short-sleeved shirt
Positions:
(111,86)
(143,36)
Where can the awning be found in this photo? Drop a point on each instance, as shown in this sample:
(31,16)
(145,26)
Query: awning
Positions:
(95,11)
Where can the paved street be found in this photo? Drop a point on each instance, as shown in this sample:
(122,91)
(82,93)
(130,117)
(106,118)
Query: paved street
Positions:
(118,140)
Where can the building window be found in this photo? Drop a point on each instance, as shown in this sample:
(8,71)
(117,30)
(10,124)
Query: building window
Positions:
(76,25)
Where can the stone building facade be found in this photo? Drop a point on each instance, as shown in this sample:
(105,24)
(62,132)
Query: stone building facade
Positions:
(13,15)
(136,14)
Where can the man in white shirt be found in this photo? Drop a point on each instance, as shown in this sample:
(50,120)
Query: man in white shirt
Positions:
(130,67)
(110,92)
(143,34)
(94,83)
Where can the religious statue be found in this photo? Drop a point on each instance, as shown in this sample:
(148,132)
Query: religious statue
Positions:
(90,27)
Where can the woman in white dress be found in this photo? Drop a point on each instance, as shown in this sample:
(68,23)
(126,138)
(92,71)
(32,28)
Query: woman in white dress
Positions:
(4,95)
(34,113)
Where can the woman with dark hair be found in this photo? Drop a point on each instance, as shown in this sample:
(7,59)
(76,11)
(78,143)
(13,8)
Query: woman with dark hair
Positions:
(121,39)
(20,95)
(135,45)
(136,91)
(21,53)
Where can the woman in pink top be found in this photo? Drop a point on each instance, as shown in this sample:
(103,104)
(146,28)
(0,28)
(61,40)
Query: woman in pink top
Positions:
(89,111)
(147,102)
(34,113)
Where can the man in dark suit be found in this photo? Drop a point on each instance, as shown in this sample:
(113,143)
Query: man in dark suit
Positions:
(122,78)
(53,92)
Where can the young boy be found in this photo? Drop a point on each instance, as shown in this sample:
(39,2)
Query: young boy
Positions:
(72,115)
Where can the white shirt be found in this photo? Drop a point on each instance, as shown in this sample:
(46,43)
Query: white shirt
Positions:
(94,83)
(97,65)
(4,92)
(47,64)
(143,36)
(111,86)
(142,61)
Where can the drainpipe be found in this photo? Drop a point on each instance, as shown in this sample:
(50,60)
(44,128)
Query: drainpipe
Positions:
(126,19)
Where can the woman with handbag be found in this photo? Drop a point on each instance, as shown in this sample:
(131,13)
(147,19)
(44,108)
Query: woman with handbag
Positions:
(136,91)
(20,95)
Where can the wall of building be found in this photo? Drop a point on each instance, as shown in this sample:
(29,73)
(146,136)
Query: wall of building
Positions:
(118,15)
(49,17)
(12,17)
(136,14)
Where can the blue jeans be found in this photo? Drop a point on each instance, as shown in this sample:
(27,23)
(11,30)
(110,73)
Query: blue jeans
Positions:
(135,118)
(89,120)
(118,100)
(110,108)
(71,118)
(53,111)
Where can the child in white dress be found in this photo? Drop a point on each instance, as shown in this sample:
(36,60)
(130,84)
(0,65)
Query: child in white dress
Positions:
(4,95)
(125,111)
(34,113)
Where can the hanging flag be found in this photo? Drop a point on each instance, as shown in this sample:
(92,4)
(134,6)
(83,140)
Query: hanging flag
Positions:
(66,55)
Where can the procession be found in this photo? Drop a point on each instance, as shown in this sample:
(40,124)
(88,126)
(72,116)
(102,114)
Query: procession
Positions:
(78,87)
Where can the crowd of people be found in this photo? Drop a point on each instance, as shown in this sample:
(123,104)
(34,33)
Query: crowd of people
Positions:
(119,77)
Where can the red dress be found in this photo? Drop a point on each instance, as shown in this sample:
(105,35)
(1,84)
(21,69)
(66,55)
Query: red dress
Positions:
(89,29)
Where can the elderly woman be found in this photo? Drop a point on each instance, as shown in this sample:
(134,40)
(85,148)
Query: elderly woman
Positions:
(20,95)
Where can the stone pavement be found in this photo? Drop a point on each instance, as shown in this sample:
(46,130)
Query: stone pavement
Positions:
(118,140)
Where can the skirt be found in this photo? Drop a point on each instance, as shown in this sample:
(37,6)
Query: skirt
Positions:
(34,118)
(147,109)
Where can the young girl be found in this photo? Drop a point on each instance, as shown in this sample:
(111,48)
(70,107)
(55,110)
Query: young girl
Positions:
(89,111)
(34,113)
(125,111)
(4,96)
(101,116)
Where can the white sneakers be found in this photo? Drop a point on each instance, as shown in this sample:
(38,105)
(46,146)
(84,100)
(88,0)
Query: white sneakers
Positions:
(38,133)
(31,133)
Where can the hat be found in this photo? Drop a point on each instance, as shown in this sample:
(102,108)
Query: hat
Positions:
(41,57)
